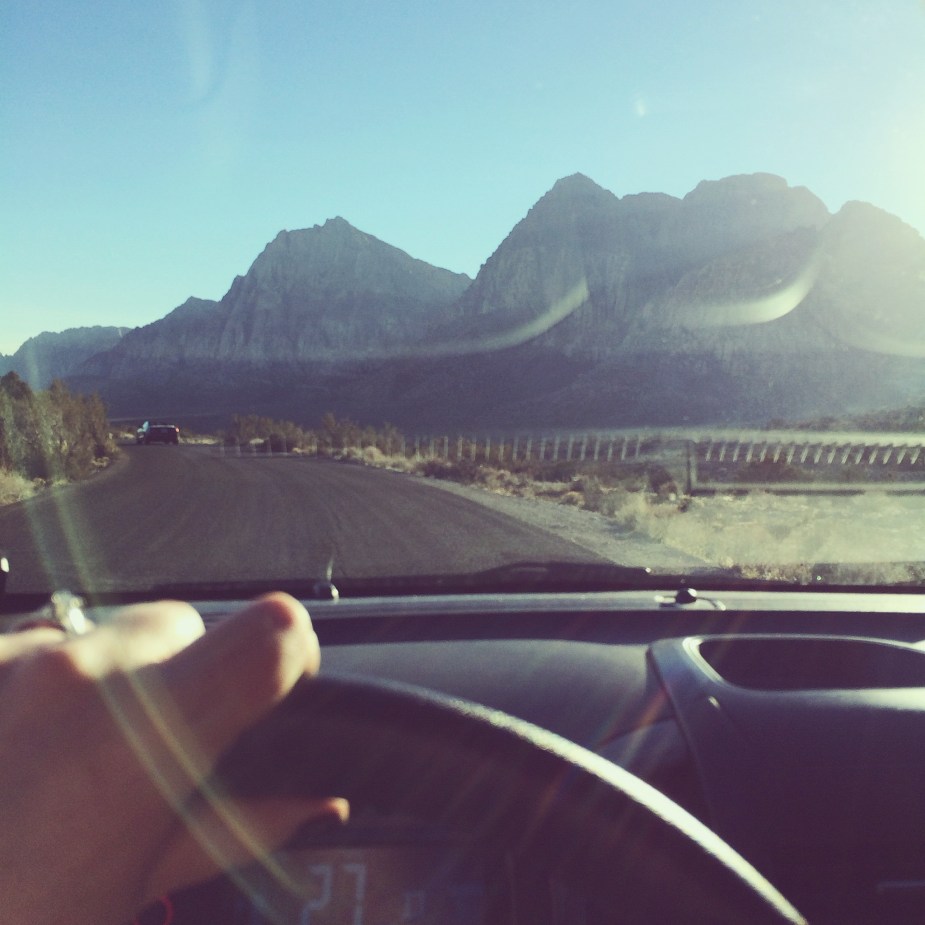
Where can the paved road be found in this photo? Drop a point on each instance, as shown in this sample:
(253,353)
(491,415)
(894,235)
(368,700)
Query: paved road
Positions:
(165,514)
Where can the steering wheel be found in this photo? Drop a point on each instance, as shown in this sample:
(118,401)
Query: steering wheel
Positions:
(512,785)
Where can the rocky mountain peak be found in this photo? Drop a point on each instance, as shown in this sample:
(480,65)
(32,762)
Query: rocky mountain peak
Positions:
(577,184)
(337,224)
(574,194)
(334,259)
(740,185)
(721,216)
(876,224)
(758,203)
(329,292)
(872,281)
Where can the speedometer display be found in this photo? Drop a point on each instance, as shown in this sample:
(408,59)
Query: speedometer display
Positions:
(372,871)
(365,885)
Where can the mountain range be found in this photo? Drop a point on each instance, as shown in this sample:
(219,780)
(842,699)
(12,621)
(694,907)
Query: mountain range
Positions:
(744,300)
(54,355)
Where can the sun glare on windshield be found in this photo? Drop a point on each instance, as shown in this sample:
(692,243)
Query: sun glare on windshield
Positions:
(436,292)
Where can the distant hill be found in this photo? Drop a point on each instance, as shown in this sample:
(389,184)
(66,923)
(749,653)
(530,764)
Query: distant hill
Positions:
(744,301)
(51,356)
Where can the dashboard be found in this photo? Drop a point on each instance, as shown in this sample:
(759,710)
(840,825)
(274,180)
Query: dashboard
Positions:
(791,723)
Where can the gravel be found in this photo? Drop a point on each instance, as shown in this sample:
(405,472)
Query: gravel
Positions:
(592,531)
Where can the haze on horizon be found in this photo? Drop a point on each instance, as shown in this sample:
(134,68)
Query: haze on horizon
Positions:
(151,151)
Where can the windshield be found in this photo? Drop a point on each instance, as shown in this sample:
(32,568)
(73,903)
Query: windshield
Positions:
(362,293)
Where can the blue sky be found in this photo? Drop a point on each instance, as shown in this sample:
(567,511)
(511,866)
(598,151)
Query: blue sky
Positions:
(149,151)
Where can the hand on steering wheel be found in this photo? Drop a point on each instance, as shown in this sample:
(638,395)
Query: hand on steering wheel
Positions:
(107,739)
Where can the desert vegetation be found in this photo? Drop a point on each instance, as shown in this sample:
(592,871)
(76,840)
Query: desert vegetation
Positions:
(48,436)
(909,418)
(756,533)
(576,471)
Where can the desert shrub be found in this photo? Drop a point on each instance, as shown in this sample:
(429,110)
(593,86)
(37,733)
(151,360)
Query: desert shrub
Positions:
(337,435)
(276,435)
(661,481)
(792,573)
(14,487)
(373,456)
(464,471)
(279,443)
(562,470)
(592,492)
(51,435)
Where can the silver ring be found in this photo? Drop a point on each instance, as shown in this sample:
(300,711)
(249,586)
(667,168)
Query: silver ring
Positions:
(64,611)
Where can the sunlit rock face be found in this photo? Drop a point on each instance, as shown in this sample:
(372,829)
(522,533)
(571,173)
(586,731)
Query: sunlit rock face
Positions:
(742,301)
(333,293)
(328,293)
(745,300)
(722,216)
(648,263)
(870,290)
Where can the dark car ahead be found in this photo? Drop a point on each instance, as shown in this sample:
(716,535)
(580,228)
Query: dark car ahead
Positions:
(158,432)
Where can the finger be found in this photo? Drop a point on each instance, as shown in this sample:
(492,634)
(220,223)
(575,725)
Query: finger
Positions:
(229,834)
(179,716)
(60,665)
(22,642)
(137,635)
(227,680)
(145,633)
(72,678)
